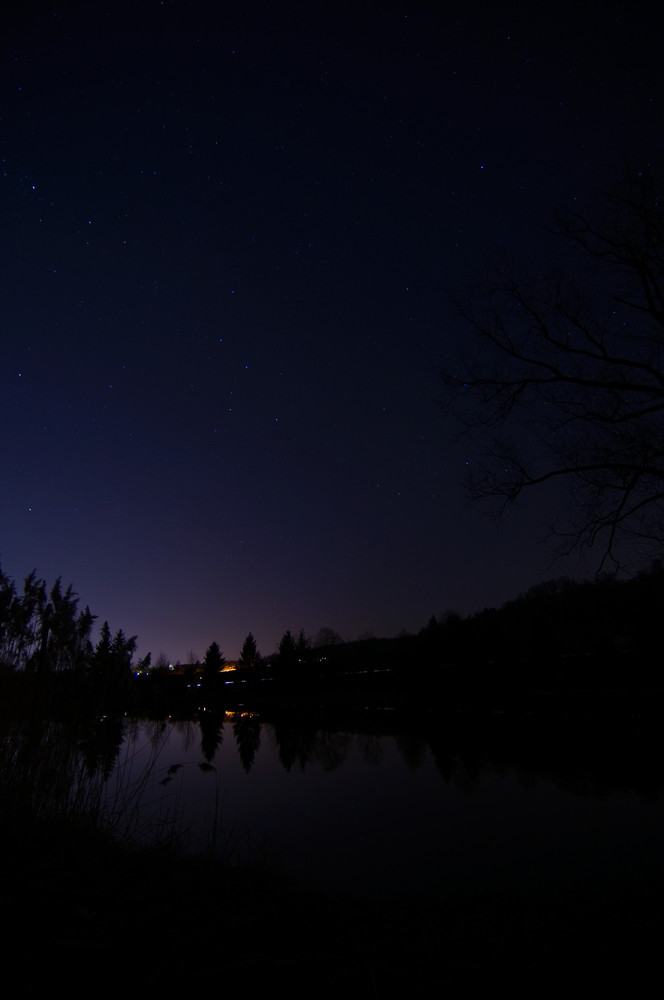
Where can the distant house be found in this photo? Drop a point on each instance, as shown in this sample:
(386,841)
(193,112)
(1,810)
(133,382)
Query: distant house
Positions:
(197,668)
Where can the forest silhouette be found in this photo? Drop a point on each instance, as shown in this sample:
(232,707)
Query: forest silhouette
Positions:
(562,684)
(560,641)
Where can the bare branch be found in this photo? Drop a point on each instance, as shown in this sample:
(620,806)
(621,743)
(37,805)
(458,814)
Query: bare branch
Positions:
(568,372)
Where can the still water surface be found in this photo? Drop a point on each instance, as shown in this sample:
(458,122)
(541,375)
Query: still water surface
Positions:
(389,814)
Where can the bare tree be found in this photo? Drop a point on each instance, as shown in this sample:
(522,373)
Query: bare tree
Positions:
(326,637)
(564,375)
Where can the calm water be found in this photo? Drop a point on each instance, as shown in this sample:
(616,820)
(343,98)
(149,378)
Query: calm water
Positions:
(390,814)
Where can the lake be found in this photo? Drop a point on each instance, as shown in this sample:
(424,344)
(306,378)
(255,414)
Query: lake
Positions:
(383,807)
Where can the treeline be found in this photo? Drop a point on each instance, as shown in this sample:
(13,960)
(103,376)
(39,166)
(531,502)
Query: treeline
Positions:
(559,636)
(46,647)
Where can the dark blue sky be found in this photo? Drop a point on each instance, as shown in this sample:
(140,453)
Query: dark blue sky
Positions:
(228,242)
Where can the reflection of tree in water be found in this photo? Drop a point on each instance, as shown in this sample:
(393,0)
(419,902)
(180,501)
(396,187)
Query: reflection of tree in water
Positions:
(583,757)
(331,749)
(526,778)
(370,747)
(188,730)
(212,732)
(100,743)
(295,740)
(40,764)
(247,732)
(57,769)
(413,749)
(466,772)
(443,755)
(156,731)
(302,742)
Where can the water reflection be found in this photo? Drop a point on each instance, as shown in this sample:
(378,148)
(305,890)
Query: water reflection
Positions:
(212,732)
(247,733)
(376,808)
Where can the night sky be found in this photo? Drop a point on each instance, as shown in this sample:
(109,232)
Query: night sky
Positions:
(229,235)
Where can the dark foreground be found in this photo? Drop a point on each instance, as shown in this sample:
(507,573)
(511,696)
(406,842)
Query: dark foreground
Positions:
(84,914)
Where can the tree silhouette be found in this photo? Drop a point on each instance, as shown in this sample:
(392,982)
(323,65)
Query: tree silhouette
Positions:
(326,637)
(249,656)
(212,664)
(61,636)
(26,613)
(302,648)
(43,634)
(12,633)
(564,378)
(111,665)
(287,652)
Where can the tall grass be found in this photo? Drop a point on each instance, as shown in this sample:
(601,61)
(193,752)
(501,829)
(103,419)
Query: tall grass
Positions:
(75,785)
(62,768)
